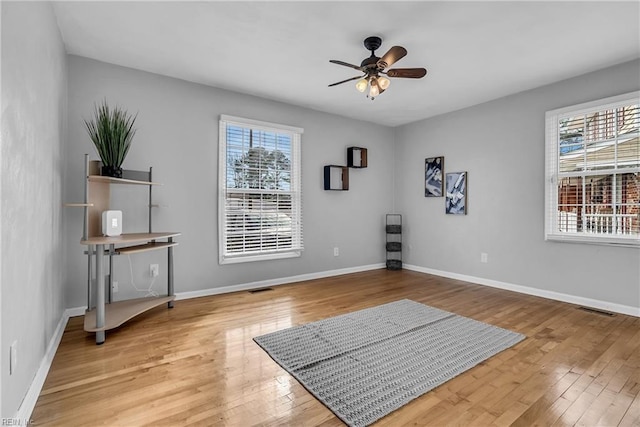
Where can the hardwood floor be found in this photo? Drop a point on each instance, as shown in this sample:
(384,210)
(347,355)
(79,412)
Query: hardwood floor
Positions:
(196,364)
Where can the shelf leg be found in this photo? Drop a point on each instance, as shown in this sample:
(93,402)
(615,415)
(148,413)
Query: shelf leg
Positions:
(100,294)
(150,196)
(89,276)
(110,283)
(170,272)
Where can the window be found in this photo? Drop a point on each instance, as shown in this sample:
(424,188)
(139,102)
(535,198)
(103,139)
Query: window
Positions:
(259,207)
(593,172)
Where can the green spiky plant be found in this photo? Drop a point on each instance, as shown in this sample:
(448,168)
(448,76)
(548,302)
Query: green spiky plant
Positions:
(111,131)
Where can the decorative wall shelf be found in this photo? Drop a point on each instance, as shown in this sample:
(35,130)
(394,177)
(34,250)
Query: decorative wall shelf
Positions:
(357,157)
(336,177)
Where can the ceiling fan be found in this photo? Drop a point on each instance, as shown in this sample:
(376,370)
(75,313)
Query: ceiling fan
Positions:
(374,68)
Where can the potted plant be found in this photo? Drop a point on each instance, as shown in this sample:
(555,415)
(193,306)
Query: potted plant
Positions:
(111,131)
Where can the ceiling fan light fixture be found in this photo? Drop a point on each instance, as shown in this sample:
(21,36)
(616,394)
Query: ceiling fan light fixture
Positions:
(374,90)
(383,82)
(376,72)
(361,85)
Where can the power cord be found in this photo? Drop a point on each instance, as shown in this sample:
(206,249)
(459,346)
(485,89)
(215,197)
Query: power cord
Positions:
(149,292)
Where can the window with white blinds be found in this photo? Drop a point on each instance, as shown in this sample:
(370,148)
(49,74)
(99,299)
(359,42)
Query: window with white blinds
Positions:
(593,172)
(260,206)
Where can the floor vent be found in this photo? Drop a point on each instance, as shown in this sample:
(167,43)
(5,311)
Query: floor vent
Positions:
(255,291)
(596,311)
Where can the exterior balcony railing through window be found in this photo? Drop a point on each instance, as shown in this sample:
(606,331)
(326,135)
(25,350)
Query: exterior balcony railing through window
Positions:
(599,223)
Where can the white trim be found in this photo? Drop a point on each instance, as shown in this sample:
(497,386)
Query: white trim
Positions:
(598,104)
(276,282)
(556,296)
(76,311)
(295,192)
(241,121)
(552,174)
(79,311)
(627,242)
(29,402)
(259,257)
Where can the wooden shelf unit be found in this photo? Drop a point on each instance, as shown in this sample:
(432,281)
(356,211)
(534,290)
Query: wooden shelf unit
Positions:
(151,246)
(117,313)
(128,238)
(112,180)
(105,314)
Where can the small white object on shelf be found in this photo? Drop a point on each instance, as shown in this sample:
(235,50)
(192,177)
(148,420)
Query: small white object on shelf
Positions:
(111,223)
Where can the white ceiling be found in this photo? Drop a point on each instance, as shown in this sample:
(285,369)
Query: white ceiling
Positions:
(473,51)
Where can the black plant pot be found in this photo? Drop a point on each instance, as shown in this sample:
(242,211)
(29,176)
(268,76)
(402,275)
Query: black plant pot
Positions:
(112,171)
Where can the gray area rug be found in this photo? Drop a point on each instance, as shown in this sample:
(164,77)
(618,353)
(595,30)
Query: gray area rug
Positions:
(366,364)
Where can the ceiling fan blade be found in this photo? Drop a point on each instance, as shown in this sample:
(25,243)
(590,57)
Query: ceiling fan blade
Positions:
(394,54)
(408,73)
(347,80)
(335,61)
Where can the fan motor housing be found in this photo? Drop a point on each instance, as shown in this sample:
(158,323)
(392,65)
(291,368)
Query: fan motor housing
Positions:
(368,62)
(371,43)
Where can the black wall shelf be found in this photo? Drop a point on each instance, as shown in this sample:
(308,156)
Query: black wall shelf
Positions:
(357,157)
(336,177)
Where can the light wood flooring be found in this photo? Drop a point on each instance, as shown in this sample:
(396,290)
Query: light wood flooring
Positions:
(196,364)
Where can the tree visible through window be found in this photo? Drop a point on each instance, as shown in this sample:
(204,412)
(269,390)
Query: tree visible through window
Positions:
(593,172)
(260,204)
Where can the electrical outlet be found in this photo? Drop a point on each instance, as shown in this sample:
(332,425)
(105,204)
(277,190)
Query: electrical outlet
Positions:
(484,257)
(154,270)
(13,357)
(114,286)
(336,251)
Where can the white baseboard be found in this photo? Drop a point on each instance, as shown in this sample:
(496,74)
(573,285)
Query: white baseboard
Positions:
(29,402)
(76,311)
(557,296)
(79,311)
(276,282)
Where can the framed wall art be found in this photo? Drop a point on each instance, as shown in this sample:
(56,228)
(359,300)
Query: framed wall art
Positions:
(456,200)
(433,172)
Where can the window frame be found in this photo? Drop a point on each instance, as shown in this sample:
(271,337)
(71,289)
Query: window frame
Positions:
(552,173)
(295,191)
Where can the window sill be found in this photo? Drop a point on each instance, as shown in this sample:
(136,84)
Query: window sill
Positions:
(258,257)
(629,242)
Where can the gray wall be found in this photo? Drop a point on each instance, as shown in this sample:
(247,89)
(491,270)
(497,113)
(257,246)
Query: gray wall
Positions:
(34,77)
(501,145)
(178,135)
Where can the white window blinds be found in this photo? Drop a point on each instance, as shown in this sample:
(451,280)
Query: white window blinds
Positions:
(260,206)
(593,172)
